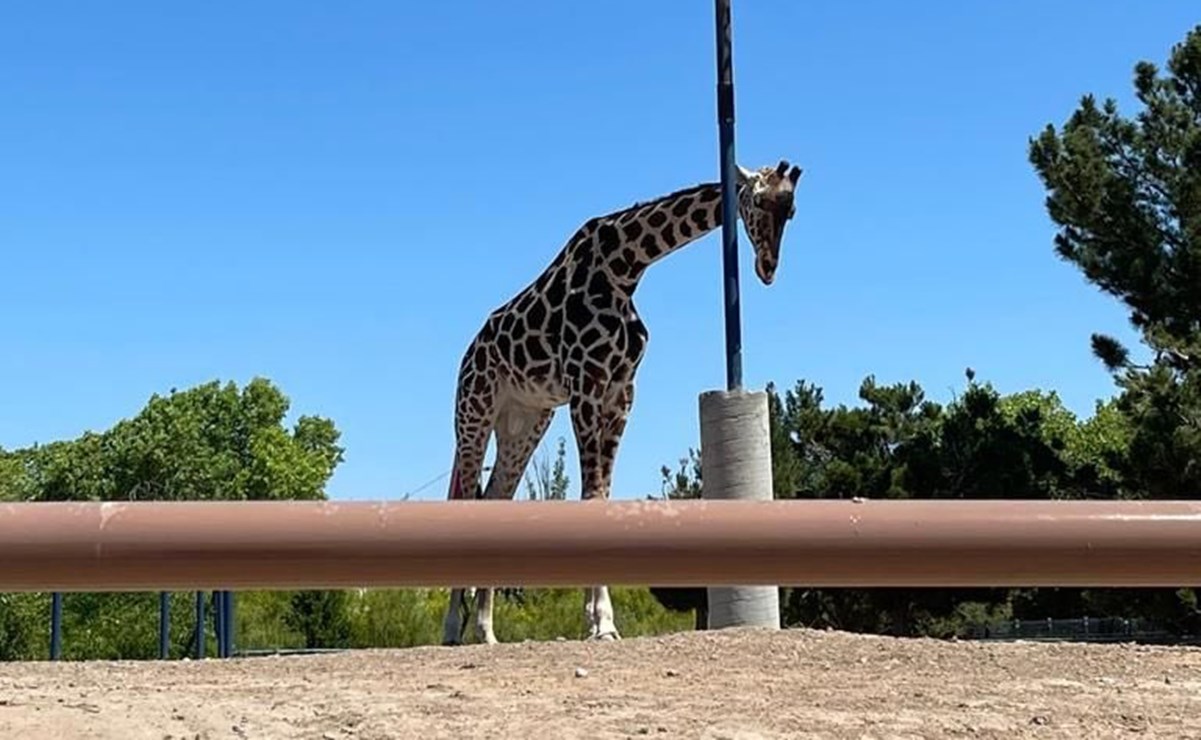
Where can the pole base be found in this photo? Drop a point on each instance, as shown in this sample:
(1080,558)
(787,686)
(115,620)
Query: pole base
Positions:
(736,465)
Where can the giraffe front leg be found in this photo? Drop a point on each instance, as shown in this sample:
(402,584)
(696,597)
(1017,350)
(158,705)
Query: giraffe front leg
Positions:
(483,616)
(457,612)
(599,611)
(599,426)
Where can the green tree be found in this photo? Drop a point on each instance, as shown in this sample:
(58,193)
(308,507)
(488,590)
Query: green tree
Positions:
(984,445)
(894,444)
(1163,408)
(214,441)
(1125,194)
(1098,451)
(898,444)
(23,635)
(321,617)
(849,451)
(210,442)
(12,476)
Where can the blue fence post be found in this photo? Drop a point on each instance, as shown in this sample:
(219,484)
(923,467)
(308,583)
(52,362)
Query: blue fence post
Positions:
(219,621)
(225,619)
(229,624)
(200,625)
(164,625)
(56,625)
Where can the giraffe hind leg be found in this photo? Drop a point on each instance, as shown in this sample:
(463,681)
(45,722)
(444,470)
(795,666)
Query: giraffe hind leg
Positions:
(598,609)
(518,432)
(471,433)
(599,424)
(458,609)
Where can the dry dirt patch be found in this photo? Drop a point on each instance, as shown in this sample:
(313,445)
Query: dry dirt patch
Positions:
(733,684)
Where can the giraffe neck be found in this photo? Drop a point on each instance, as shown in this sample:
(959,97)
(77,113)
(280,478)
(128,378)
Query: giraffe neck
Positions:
(628,241)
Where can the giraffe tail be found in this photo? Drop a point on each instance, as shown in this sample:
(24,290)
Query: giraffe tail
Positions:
(456,491)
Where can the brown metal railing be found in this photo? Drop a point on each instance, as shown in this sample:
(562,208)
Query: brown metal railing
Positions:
(266,545)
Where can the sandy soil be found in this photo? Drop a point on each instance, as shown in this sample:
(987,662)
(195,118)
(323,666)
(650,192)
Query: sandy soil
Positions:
(735,684)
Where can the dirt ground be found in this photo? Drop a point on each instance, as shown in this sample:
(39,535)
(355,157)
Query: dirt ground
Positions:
(737,684)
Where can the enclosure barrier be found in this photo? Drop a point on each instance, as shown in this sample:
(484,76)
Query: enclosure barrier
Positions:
(192,546)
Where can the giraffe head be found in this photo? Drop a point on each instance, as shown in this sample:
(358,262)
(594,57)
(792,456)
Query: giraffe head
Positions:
(765,204)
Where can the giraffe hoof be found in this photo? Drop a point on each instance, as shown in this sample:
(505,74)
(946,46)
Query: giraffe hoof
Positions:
(606,636)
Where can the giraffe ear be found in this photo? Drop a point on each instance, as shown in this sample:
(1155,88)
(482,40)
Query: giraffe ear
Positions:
(742,174)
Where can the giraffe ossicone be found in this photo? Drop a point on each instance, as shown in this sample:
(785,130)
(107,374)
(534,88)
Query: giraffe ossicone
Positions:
(573,337)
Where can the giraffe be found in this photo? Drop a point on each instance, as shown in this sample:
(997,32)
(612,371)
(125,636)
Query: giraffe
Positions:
(573,337)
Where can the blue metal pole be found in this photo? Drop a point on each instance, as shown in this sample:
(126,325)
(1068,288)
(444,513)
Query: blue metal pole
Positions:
(164,625)
(200,625)
(219,621)
(229,624)
(729,204)
(56,625)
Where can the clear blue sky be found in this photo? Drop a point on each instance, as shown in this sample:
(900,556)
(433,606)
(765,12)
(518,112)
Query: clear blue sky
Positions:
(334,195)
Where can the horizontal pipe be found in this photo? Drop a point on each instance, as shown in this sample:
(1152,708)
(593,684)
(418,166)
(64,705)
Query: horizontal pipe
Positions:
(284,545)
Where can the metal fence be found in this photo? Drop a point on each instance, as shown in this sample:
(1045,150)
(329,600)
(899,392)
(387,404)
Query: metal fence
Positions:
(1080,629)
(222,608)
